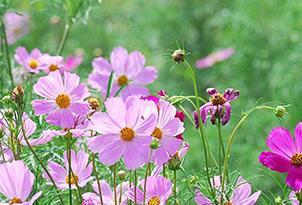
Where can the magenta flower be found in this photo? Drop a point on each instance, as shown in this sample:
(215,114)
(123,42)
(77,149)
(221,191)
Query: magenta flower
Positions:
(215,57)
(219,106)
(125,133)
(17,182)
(16,26)
(107,194)
(81,170)
(30,61)
(166,129)
(64,98)
(128,69)
(158,190)
(72,62)
(285,155)
(240,196)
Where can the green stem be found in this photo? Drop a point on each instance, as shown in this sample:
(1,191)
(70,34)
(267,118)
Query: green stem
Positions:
(10,72)
(64,37)
(146,177)
(69,168)
(97,178)
(164,170)
(201,130)
(220,148)
(174,188)
(114,184)
(135,186)
(2,152)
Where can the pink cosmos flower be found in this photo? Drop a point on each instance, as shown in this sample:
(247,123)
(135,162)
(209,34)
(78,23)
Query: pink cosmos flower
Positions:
(30,61)
(16,183)
(107,194)
(285,155)
(81,170)
(293,198)
(125,133)
(240,196)
(215,57)
(53,63)
(158,190)
(166,129)
(72,62)
(16,26)
(128,69)
(218,107)
(64,98)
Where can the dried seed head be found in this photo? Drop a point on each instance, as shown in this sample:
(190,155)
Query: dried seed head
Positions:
(94,103)
(18,93)
(179,55)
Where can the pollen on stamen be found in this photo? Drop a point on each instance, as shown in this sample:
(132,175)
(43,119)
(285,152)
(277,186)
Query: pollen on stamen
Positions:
(218,99)
(154,201)
(63,101)
(73,179)
(33,64)
(53,67)
(15,200)
(157,133)
(127,134)
(296,160)
(122,80)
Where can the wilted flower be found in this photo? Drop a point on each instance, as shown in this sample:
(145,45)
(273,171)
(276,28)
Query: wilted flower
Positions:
(64,98)
(215,57)
(241,194)
(107,194)
(124,132)
(17,182)
(158,190)
(94,103)
(128,69)
(218,107)
(18,94)
(16,26)
(30,61)
(285,155)
(81,171)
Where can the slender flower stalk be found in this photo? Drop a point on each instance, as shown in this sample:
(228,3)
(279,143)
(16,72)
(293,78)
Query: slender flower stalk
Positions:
(135,186)
(114,184)
(97,178)
(64,37)
(201,130)
(174,187)
(69,166)
(146,176)
(2,153)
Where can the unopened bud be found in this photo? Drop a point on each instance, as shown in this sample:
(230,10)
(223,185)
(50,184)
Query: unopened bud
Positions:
(178,56)
(162,93)
(18,93)
(280,111)
(278,200)
(174,162)
(94,103)
(122,174)
(154,144)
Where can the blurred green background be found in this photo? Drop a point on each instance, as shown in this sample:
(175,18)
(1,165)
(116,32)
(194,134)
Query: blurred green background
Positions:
(266,67)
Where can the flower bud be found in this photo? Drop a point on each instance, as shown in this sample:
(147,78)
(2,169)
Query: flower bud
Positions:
(280,111)
(18,94)
(162,93)
(94,103)
(154,144)
(278,200)
(178,56)
(175,162)
(180,115)
(122,174)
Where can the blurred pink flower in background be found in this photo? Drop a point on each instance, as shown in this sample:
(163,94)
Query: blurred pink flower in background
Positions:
(16,26)
(17,182)
(215,57)
(72,62)
(128,68)
(30,61)
(53,63)
(81,171)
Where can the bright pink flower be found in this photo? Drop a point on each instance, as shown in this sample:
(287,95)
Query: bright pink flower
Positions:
(158,190)
(240,196)
(17,182)
(125,133)
(30,61)
(128,69)
(81,170)
(72,62)
(107,194)
(166,129)
(219,106)
(285,155)
(16,26)
(64,98)
(216,57)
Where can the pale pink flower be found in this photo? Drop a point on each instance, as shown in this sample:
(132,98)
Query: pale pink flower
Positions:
(215,57)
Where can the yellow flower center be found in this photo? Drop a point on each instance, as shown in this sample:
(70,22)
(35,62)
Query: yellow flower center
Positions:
(94,103)
(157,133)
(15,200)
(73,179)
(33,64)
(227,203)
(63,101)
(154,201)
(297,159)
(53,67)
(127,134)
(218,99)
(122,80)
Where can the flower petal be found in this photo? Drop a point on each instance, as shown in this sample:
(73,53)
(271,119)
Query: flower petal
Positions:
(275,162)
(118,59)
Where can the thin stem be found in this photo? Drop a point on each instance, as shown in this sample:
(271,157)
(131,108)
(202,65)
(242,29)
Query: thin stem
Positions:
(220,148)
(201,131)
(7,53)
(135,186)
(97,178)
(114,184)
(64,37)
(146,177)
(174,188)
(69,168)
(164,170)
(121,192)
(130,179)
(41,163)
(2,152)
